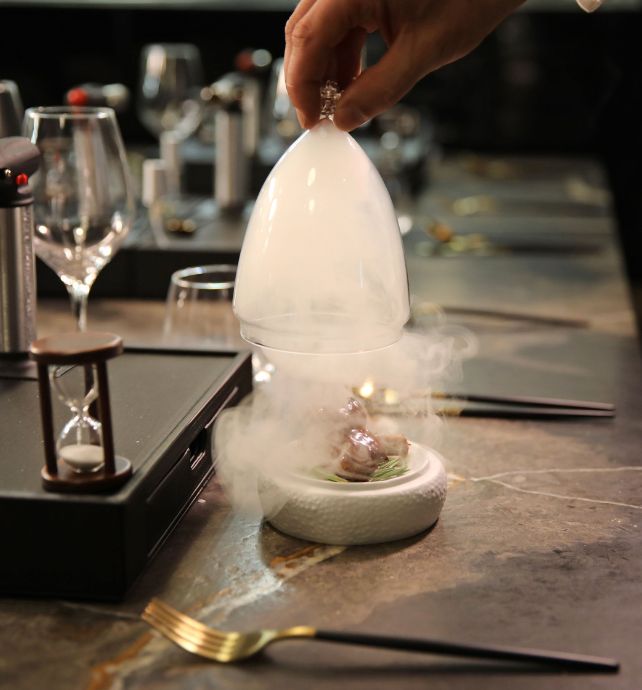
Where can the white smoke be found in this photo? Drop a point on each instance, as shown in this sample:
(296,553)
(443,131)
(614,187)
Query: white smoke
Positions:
(287,423)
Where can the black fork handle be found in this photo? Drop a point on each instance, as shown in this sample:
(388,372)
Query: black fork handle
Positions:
(562,660)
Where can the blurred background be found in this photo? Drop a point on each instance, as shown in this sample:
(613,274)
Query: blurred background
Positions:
(551,81)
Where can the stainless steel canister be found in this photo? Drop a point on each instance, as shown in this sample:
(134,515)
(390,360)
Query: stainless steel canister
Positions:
(18,160)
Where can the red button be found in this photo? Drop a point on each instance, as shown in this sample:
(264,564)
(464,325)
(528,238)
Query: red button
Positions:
(77,96)
(21,179)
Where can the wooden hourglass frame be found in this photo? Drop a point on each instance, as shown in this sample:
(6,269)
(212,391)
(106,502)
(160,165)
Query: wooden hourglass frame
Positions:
(86,349)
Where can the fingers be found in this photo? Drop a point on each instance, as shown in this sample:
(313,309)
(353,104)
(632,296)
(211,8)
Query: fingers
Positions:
(348,57)
(343,65)
(318,31)
(381,86)
(298,12)
(324,39)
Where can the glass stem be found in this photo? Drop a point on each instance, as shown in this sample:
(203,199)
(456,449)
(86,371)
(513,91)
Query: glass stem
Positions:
(79,292)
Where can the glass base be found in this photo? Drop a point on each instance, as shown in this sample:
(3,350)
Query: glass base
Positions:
(320,334)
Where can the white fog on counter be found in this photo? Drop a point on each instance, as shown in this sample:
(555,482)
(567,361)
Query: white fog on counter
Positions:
(288,424)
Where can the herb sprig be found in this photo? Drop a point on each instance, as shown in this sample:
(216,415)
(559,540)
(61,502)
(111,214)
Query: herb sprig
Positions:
(388,469)
(320,473)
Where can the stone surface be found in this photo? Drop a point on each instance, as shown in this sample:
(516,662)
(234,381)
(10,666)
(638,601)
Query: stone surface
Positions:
(539,540)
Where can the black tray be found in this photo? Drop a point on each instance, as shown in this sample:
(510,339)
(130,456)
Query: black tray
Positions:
(164,404)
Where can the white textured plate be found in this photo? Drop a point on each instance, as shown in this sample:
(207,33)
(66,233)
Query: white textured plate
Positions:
(360,512)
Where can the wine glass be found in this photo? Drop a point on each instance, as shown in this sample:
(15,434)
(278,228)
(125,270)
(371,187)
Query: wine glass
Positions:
(83,200)
(171,80)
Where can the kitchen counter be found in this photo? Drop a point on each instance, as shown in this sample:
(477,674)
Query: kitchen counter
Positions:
(539,543)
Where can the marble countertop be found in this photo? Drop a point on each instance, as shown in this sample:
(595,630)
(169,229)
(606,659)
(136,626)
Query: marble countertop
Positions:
(539,541)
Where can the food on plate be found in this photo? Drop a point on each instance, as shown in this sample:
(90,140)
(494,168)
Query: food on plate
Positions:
(359,454)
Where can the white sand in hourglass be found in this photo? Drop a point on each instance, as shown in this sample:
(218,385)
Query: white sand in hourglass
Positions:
(82,457)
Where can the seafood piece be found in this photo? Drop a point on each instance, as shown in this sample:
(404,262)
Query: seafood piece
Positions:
(360,455)
(340,422)
(353,415)
(394,444)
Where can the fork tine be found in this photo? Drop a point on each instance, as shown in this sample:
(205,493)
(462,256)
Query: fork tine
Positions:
(197,638)
(212,645)
(194,644)
(168,632)
(160,607)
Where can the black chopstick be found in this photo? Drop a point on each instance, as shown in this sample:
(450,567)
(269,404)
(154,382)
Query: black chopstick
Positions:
(562,660)
(528,401)
(516,316)
(526,412)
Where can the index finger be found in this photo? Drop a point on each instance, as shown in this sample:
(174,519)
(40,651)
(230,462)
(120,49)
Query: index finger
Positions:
(311,45)
(297,14)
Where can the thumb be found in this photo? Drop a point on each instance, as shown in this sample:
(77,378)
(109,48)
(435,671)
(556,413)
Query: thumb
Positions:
(379,87)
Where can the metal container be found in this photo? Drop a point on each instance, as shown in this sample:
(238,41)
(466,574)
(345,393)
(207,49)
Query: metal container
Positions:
(171,155)
(231,174)
(18,160)
(234,98)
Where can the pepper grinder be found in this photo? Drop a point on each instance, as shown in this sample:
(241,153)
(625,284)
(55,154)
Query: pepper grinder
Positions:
(18,161)
(231,176)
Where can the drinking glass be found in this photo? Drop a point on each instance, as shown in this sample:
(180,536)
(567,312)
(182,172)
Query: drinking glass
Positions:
(171,80)
(322,268)
(83,200)
(199,308)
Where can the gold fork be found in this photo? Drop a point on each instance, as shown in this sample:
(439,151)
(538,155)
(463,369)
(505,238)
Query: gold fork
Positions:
(227,647)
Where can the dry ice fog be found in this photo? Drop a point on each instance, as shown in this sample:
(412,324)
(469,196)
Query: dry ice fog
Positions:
(289,423)
(322,271)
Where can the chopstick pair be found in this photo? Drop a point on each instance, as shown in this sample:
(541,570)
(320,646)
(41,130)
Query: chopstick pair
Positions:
(516,316)
(524,407)
(430,308)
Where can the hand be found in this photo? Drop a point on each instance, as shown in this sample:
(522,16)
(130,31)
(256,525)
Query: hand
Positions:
(324,39)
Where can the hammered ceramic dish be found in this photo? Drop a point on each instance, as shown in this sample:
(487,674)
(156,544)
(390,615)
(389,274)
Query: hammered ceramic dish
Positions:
(361,512)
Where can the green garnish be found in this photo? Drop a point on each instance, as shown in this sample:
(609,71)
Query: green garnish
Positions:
(389,469)
(320,473)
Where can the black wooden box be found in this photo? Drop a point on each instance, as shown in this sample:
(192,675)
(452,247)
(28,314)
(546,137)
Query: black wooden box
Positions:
(93,547)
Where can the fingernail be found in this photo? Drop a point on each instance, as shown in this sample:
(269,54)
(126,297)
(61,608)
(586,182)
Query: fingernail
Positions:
(300,117)
(306,121)
(348,117)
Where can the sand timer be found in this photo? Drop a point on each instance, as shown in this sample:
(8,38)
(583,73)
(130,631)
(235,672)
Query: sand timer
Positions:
(79,444)
(82,457)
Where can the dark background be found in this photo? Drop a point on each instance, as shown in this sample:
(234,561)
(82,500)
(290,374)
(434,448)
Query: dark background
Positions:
(563,82)
(539,83)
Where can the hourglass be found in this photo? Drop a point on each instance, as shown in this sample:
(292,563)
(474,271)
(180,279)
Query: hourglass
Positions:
(82,458)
